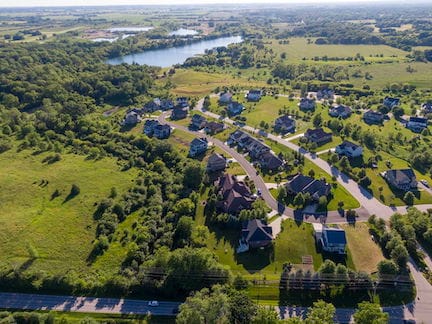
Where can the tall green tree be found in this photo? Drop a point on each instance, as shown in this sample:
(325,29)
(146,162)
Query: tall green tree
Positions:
(370,313)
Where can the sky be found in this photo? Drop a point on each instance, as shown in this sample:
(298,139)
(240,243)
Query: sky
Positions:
(37,3)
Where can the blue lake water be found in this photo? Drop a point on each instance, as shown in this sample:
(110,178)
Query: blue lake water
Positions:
(167,57)
(129,29)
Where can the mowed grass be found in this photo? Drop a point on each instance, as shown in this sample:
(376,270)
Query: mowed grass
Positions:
(60,231)
(194,83)
(365,253)
(298,48)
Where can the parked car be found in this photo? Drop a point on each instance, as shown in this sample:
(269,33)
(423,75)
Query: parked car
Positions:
(424,183)
(153,303)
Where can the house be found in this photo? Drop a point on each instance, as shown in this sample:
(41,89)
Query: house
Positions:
(255,234)
(182,102)
(349,149)
(285,124)
(417,124)
(333,239)
(216,162)
(179,113)
(162,131)
(426,108)
(256,148)
(254,95)
(235,195)
(403,179)
(225,98)
(198,122)
(131,118)
(214,127)
(307,104)
(327,94)
(198,146)
(149,126)
(166,104)
(154,128)
(373,117)
(390,103)
(318,136)
(235,137)
(270,161)
(152,105)
(340,111)
(305,184)
(234,108)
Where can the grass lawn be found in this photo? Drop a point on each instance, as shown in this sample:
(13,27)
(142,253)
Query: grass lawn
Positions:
(60,230)
(195,83)
(365,253)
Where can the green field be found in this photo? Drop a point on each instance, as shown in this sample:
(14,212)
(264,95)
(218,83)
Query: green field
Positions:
(60,230)
(298,48)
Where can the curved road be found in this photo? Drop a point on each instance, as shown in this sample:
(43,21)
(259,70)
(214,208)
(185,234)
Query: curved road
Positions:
(369,204)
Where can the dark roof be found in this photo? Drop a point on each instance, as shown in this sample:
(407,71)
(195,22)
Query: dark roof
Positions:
(198,141)
(348,144)
(198,118)
(373,114)
(339,109)
(306,184)
(418,120)
(316,133)
(214,125)
(271,161)
(401,175)
(255,91)
(215,157)
(285,120)
(254,230)
(236,195)
(335,235)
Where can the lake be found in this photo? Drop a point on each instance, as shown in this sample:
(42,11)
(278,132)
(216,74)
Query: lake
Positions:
(167,57)
(129,29)
(183,32)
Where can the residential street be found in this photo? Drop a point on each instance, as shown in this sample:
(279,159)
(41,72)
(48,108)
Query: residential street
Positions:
(369,204)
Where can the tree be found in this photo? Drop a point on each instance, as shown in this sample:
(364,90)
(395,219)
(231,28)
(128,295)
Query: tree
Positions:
(265,315)
(183,232)
(399,255)
(282,193)
(344,163)
(328,267)
(322,202)
(321,313)
(242,309)
(365,181)
(317,120)
(409,198)
(370,313)
(205,306)
(299,200)
(387,267)
(184,207)
(193,175)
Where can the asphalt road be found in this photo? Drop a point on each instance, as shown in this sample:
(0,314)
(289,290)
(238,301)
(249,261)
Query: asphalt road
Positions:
(369,204)
(84,304)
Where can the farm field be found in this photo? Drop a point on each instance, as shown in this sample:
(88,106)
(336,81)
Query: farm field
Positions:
(61,231)
(298,48)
